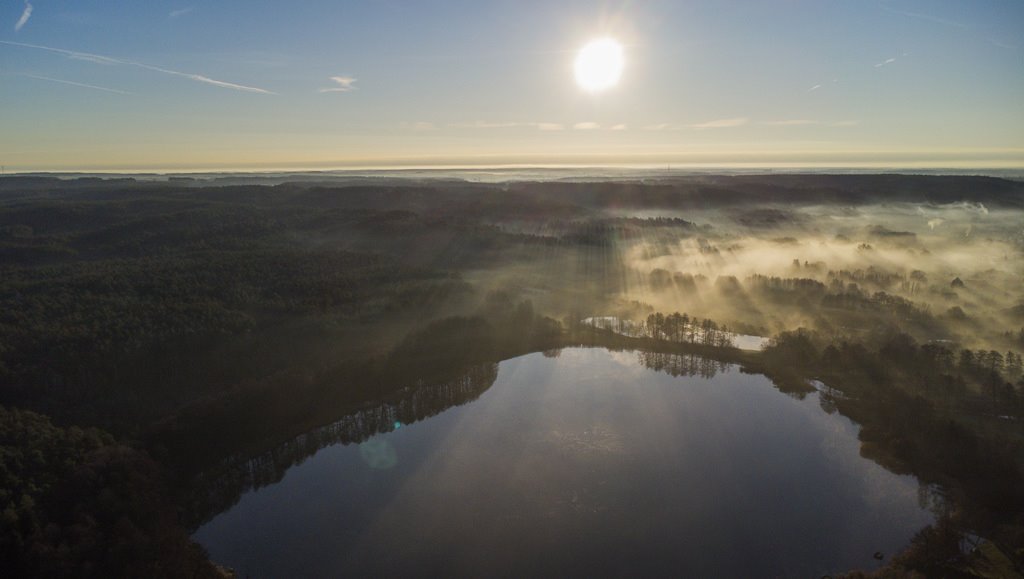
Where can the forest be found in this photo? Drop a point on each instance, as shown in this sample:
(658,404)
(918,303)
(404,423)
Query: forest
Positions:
(166,345)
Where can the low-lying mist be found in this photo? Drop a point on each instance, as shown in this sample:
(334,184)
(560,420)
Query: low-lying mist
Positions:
(938,271)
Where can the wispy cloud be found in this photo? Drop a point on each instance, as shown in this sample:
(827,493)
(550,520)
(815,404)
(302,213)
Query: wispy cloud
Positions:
(180,12)
(100,59)
(814,88)
(885,62)
(69,53)
(927,17)
(722,123)
(78,84)
(203,79)
(419,126)
(484,125)
(541,126)
(549,126)
(1001,44)
(344,84)
(25,15)
(789,123)
(807,123)
(658,127)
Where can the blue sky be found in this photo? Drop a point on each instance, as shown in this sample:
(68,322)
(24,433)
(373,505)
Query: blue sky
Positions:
(212,85)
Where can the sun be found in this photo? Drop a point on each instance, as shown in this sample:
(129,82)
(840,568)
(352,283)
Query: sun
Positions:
(599,65)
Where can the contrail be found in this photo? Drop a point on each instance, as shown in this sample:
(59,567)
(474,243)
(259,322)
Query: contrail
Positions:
(100,59)
(81,84)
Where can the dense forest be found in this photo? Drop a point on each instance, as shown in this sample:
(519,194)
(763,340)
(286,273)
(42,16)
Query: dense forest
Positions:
(166,345)
(78,504)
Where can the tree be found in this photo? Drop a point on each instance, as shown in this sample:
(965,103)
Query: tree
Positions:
(994,361)
(673,326)
(1013,365)
(966,361)
(652,326)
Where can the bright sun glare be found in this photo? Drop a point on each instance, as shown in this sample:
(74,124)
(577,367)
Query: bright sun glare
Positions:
(599,65)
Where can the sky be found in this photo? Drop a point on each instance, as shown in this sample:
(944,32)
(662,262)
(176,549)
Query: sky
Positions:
(89,85)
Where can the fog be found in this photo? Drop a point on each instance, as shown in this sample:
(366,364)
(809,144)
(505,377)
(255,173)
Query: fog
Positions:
(719,263)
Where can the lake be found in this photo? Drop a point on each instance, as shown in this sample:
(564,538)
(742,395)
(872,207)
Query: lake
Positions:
(585,462)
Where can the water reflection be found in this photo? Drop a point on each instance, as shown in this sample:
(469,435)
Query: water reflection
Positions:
(682,364)
(218,489)
(582,464)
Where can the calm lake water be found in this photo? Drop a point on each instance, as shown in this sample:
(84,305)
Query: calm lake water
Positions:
(588,464)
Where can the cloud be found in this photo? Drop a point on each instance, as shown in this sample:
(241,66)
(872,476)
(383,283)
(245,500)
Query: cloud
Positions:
(344,84)
(79,84)
(100,59)
(658,127)
(582,126)
(24,17)
(845,123)
(922,16)
(722,123)
(180,12)
(885,62)
(789,123)
(814,88)
(69,53)
(933,223)
(484,125)
(203,79)
(1001,44)
(419,126)
(549,126)
(93,58)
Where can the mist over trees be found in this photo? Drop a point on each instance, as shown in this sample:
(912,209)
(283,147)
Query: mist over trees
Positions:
(207,325)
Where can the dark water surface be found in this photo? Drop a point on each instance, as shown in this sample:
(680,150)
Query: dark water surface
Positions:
(585,464)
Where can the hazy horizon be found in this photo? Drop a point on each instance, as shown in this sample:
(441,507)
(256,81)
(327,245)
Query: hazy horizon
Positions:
(183,87)
(539,171)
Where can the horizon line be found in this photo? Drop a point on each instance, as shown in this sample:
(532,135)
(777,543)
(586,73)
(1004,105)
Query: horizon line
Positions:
(661,169)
